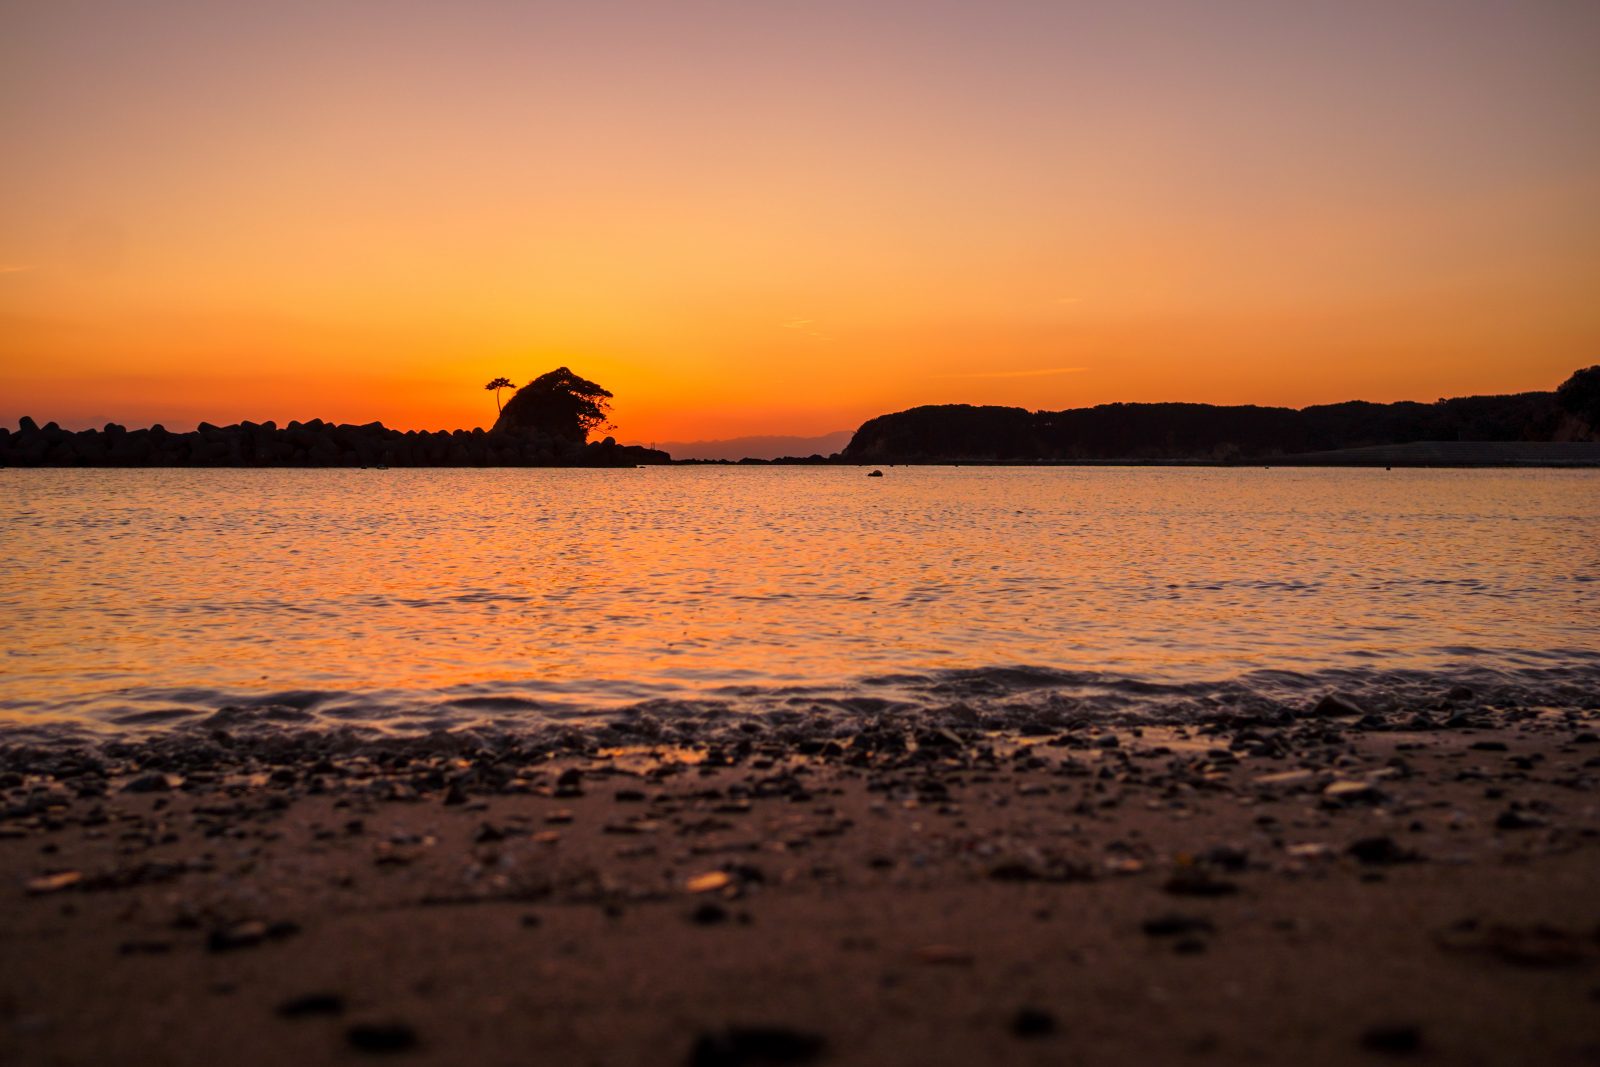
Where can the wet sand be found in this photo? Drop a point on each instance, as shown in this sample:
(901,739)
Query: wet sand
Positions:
(1321,888)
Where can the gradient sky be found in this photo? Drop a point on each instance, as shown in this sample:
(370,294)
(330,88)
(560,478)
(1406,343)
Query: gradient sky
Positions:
(772,218)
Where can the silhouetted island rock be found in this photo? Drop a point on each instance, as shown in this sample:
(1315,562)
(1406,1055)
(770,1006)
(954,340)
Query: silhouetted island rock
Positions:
(559,405)
(1209,433)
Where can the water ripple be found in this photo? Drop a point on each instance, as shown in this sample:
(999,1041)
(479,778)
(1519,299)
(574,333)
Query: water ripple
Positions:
(137,600)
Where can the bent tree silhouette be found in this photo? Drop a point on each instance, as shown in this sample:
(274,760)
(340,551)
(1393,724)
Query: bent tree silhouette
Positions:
(497,385)
(560,404)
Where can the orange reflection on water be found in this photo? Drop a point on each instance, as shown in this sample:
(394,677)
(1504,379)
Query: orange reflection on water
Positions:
(451,595)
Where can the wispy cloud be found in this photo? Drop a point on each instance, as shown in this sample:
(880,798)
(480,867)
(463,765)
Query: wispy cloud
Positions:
(805,326)
(16,268)
(1043,372)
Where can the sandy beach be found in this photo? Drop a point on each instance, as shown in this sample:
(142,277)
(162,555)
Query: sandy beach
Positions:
(1330,887)
(731,534)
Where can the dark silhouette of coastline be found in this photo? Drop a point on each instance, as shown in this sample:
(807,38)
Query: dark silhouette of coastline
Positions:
(546,424)
(306,444)
(1205,433)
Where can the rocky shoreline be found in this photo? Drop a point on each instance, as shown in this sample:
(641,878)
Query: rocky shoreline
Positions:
(306,444)
(1335,886)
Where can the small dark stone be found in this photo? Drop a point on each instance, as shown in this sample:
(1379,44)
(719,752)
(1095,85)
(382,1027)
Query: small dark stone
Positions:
(1349,793)
(145,948)
(1175,925)
(1015,871)
(381,1037)
(629,796)
(455,795)
(1033,1022)
(1226,858)
(755,1046)
(1198,882)
(148,782)
(1381,850)
(239,935)
(1512,819)
(709,914)
(248,934)
(1399,1040)
(311,1004)
(488,834)
(1337,706)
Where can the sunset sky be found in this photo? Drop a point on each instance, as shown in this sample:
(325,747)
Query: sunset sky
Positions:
(749,217)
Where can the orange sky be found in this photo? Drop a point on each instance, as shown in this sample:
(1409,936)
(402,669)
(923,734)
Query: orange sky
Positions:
(745,220)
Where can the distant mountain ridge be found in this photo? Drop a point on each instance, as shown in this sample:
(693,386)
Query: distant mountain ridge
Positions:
(762,446)
(957,432)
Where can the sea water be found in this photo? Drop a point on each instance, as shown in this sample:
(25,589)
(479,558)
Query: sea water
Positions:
(426,599)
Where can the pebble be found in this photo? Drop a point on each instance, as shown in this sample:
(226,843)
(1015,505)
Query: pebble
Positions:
(1397,1040)
(381,1037)
(1377,851)
(248,934)
(1512,819)
(1198,882)
(709,914)
(52,883)
(144,948)
(1033,1022)
(1351,792)
(755,1046)
(1173,924)
(709,882)
(311,1004)
(1336,706)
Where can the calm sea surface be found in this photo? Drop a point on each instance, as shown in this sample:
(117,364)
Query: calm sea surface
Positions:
(136,599)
